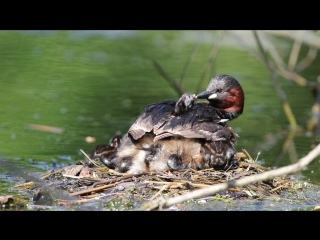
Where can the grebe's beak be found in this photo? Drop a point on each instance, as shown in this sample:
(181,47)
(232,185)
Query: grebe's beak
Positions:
(207,95)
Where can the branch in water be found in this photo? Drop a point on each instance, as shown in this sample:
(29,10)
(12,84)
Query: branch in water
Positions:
(166,76)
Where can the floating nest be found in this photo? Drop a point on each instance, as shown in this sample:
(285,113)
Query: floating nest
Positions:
(81,185)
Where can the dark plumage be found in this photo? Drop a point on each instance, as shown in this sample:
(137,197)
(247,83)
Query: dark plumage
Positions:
(173,135)
(196,120)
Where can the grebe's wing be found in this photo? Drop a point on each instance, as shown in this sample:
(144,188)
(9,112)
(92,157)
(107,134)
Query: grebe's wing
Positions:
(200,121)
(153,117)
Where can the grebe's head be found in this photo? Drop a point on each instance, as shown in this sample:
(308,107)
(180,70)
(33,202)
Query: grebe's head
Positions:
(225,93)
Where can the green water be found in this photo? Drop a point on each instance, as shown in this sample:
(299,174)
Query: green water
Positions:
(94,83)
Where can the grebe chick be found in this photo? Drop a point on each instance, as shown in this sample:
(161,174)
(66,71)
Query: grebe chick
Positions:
(173,153)
(106,153)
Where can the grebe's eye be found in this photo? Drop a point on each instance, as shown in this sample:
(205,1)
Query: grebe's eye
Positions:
(219,90)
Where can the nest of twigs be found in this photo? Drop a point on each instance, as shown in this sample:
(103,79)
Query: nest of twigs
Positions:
(81,184)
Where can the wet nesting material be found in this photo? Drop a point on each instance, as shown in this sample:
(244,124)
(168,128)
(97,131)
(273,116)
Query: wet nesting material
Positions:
(81,184)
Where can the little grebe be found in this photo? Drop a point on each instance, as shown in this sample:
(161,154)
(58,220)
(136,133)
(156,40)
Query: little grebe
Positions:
(193,120)
(181,134)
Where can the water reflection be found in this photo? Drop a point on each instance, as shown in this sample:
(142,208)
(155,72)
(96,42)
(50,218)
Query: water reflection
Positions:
(94,83)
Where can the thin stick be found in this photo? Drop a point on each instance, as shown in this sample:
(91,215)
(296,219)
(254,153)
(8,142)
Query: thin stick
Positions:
(212,58)
(191,57)
(281,186)
(24,185)
(164,187)
(312,53)
(285,104)
(285,146)
(92,190)
(256,166)
(46,175)
(167,183)
(69,202)
(294,54)
(71,176)
(95,189)
(117,179)
(247,154)
(93,162)
(167,77)
(306,36)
